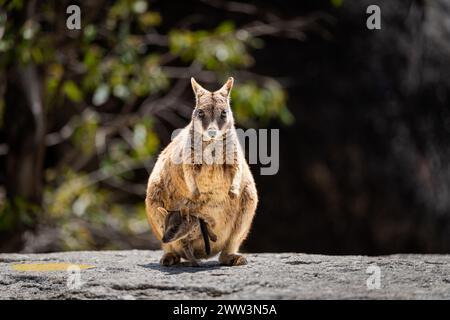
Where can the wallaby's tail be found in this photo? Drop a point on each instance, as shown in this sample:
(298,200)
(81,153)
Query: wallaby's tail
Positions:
(205,235)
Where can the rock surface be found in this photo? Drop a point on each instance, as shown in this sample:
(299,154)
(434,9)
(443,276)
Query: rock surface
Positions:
(138,275)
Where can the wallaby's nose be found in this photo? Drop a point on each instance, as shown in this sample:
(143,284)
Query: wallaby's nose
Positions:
(212,133)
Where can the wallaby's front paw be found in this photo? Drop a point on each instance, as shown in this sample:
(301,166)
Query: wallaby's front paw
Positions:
(233,260)
(170,259)
(233,193)
(195,194)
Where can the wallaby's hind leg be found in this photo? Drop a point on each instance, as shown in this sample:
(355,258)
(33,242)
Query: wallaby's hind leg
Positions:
(229,255)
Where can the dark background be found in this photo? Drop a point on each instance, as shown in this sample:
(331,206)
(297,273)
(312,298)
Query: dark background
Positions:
(364,167)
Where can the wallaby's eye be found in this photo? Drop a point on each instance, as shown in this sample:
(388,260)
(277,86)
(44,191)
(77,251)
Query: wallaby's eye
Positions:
(201,113)
(224,114)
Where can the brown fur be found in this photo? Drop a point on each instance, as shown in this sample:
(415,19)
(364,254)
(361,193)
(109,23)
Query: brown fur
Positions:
(224,195)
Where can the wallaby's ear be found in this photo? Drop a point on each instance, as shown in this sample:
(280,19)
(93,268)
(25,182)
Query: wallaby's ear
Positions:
(198,89)
(226,88)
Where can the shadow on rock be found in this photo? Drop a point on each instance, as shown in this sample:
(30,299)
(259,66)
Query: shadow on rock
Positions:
(183,267)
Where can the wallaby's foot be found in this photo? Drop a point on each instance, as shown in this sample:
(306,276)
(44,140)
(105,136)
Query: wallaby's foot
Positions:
(170,259)
(232,260)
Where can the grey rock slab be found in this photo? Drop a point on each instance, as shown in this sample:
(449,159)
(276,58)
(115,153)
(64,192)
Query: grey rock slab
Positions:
(137,274)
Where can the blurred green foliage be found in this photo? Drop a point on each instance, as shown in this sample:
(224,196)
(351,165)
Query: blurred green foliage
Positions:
(114,61)
(220,49)
(337,3)
(252,103)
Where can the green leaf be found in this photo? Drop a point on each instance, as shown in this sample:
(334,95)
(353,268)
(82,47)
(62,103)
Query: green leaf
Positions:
(286,116)
(90,31)
(225,27)
(140,6)
(121,91)
(101,95)
(72,91)
(150,19)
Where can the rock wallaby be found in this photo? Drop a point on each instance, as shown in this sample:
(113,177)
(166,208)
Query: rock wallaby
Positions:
(184,227)
(204,171)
